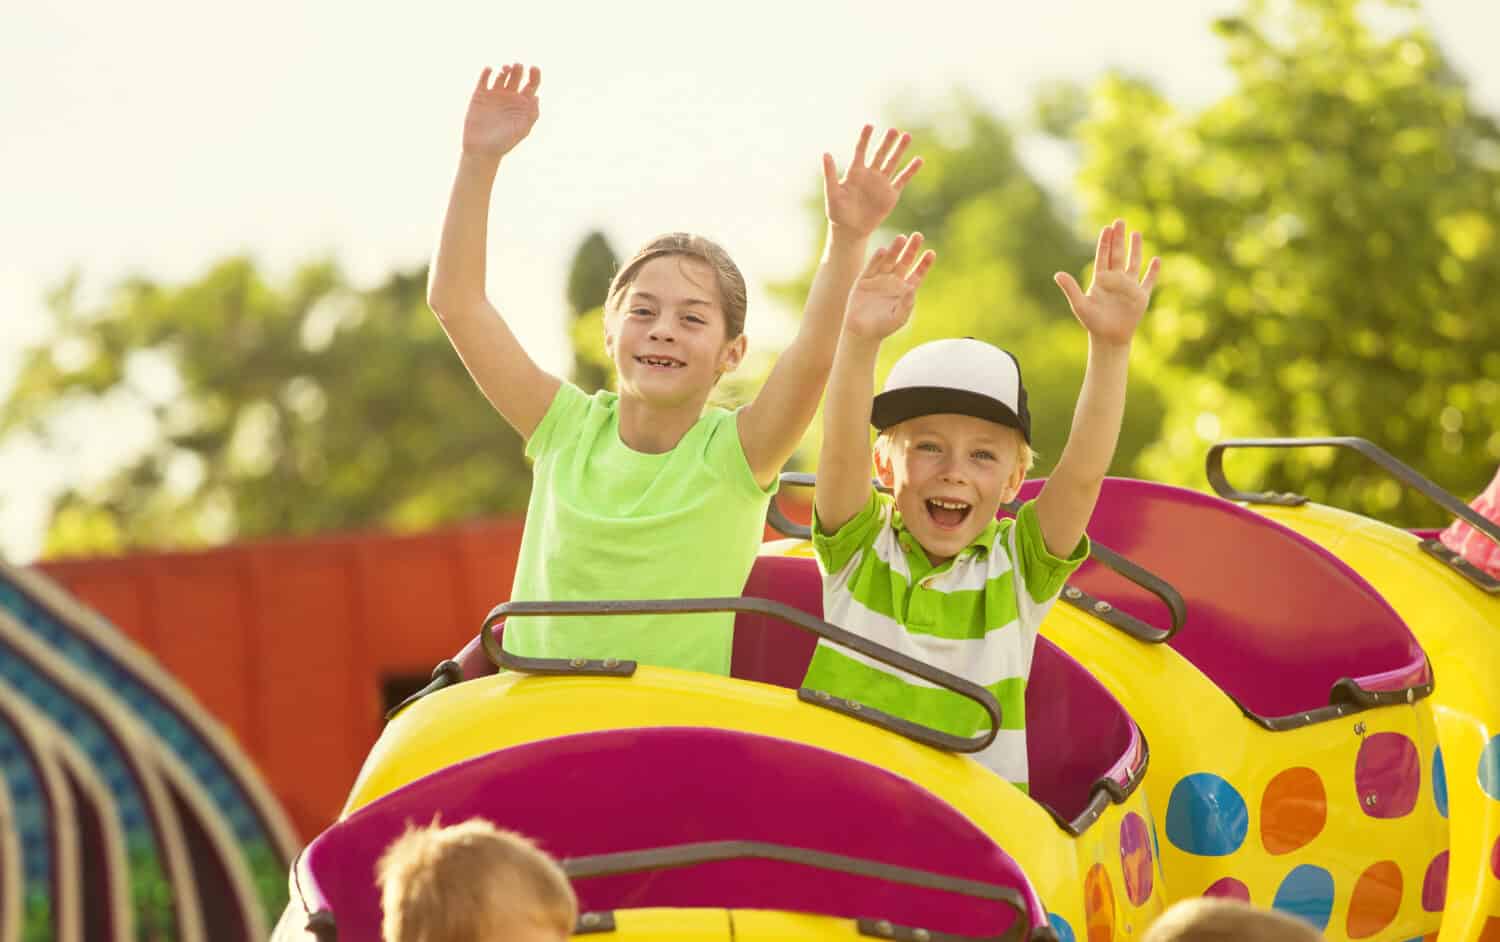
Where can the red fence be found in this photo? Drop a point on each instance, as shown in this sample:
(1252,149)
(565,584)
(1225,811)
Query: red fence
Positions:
(298,646)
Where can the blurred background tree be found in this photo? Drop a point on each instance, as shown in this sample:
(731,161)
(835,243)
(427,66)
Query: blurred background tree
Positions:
(267,408)
(1330,255)
(1000,236)
(1328,230)
(594,266)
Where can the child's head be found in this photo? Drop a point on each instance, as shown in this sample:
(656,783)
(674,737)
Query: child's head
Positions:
(1227,920)
(674,319)
(470,882)
(955,440)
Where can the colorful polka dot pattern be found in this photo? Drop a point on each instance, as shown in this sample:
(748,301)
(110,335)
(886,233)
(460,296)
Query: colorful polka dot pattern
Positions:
(1435,883)
(1307,893)
(1375,901)
(1293,810)
(1206,816)
(1061,927)
(1387,775)
(1439,782)
(1099,904)
(1489,768)
(1229,888)
(1135,858)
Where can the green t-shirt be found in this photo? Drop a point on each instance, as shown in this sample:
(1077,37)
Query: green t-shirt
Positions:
(975,616)
(607,522)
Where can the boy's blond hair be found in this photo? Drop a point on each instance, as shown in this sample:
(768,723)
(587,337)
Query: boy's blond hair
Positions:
(1227,920)
(468,882)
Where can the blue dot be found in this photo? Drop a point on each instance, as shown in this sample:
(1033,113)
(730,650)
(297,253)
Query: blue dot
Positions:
(1061,927)
(1206,816)
(1439,782)
(1307,893)
(1489,768)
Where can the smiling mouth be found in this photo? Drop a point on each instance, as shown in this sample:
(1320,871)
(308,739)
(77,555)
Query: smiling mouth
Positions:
(665,363)
(948,514)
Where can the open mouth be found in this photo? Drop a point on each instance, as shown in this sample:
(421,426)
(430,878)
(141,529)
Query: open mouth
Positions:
(661,363)
(948,513)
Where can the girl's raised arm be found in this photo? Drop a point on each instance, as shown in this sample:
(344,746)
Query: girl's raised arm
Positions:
(772,426)
(499,117)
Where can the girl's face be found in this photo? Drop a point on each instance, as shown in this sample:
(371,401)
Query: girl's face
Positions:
(667,337)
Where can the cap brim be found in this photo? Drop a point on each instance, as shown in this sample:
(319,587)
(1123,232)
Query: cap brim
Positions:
(898,405)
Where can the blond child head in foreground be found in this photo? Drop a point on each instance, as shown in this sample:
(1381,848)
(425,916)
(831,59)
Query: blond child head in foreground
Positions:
(1226,920)
(470,882)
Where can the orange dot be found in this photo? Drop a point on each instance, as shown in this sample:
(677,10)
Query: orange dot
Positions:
(1293,810)
(1376,899)
(1099,904)
(1491,930)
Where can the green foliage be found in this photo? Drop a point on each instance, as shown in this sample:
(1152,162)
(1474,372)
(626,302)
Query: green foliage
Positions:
(271,409)
(1328,233)
(594,266)
(1000,237)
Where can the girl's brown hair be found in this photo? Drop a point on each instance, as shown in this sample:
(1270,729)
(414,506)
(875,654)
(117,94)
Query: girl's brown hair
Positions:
(732,294)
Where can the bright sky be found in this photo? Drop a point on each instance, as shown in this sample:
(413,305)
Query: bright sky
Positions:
(157,137)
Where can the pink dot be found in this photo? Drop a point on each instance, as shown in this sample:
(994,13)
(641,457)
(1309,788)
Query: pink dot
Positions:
(1495,859)
(1229,888)
(1387,775)
(1435,884)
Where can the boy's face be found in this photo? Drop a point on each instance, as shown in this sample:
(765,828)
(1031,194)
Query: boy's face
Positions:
(667,336)
(950,474)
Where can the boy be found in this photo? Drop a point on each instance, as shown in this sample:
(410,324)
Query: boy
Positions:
(472,881)
(929,571)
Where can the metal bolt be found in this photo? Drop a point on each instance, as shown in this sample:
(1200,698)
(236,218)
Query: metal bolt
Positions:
(611,662)
(1102,607)
(1371,800)
(921,935)
(1359,729)
(824,695)
(589,920)
(856,706)
(577,662)
(1073,592)
(885,928)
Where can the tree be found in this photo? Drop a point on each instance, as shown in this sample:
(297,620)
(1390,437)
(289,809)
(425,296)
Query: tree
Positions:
(1000,236)
(594,266)
(267,409)
(1329,238)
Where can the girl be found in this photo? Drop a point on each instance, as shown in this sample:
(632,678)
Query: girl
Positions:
(643,493)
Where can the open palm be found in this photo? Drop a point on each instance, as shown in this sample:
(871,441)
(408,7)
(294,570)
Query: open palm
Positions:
(867,193)
(501,116)
(1117,298)
(882,298)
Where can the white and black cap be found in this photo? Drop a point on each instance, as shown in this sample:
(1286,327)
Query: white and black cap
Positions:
(960,375)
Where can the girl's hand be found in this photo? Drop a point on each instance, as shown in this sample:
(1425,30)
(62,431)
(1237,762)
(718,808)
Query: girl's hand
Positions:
(883,297)
(500,117)
(859,203)
(1118,296)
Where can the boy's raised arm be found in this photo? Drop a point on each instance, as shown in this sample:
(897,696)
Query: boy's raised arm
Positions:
(498,119)
(771,426)
(879,305)
(1110,312)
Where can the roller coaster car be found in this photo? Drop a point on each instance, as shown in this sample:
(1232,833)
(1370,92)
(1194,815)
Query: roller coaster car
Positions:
(1290,709)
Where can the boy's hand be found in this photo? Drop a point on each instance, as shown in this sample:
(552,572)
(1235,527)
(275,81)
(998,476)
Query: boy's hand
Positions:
(859,203)
(883,296)
(1118,296)
(499,118)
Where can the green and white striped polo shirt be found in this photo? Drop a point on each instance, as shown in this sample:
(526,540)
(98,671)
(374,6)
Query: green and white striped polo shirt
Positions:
(967,616)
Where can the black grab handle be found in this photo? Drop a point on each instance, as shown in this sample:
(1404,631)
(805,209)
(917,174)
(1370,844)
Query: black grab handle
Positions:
(687,855)
(793,616)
